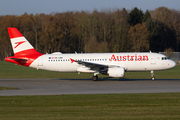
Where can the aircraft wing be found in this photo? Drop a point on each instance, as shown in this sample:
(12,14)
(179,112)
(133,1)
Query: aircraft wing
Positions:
(92,66)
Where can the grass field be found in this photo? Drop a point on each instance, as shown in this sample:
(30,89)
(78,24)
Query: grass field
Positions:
(164,106)
(9,70)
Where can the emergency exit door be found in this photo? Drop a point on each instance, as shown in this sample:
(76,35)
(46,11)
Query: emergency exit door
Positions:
(153,59)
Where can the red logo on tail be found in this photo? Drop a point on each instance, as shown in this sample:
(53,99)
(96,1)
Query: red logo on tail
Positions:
(18,43)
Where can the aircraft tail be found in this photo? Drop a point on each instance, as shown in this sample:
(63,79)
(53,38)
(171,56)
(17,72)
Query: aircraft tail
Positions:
(24,52)
(20,44)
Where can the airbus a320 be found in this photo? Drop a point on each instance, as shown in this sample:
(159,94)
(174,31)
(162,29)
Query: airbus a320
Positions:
(112,64)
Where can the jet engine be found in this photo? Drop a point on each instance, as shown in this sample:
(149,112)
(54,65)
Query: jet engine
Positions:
(116,72)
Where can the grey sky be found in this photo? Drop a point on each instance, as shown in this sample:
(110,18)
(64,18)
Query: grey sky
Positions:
(19,7)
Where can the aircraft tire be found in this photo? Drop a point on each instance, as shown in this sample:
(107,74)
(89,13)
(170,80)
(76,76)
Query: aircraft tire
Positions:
(95,78)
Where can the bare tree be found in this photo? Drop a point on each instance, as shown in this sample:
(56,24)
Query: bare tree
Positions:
(138,38)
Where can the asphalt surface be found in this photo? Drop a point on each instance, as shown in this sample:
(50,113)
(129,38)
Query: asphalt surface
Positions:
(87,86)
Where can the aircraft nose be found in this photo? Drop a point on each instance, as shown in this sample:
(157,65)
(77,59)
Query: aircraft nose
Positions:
(172,64)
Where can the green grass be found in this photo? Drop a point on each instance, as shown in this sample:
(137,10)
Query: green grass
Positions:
(91,107)
(9,70)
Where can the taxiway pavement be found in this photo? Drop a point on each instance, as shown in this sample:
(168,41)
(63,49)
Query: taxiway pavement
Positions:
(86,86)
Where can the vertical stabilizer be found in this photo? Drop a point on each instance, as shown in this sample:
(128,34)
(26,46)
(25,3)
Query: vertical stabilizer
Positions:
(20,44)
(24,52)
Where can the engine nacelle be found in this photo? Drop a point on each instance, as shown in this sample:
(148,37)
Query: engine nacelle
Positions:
(116,72)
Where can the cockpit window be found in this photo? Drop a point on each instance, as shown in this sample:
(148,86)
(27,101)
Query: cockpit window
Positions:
(165,58)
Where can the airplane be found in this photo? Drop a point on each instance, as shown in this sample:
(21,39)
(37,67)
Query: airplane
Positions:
(112,64)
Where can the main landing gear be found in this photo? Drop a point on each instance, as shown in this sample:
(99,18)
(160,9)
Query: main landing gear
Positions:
(152,75)
(95,77)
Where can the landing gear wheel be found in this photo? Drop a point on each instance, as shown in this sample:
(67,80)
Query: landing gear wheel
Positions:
(95,78)
(152,75)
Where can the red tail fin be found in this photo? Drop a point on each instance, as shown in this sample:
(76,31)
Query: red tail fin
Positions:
(20,44)
(24,52)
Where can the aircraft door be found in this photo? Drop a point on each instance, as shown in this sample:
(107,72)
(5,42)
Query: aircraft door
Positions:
(40,61)
(153,59)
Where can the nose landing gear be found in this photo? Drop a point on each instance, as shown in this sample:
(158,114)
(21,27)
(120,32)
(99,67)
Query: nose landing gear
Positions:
(152,75)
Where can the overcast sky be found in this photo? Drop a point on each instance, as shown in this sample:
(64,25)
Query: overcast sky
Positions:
(19,7)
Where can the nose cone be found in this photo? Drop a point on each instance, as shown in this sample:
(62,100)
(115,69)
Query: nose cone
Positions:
(172,64)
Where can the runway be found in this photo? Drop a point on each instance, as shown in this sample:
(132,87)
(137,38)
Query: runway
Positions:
(87,86)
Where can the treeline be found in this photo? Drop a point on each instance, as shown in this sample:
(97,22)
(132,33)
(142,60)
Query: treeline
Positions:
(105,31)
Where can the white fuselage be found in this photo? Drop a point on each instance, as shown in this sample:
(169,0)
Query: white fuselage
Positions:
(130,61)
